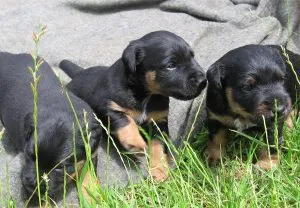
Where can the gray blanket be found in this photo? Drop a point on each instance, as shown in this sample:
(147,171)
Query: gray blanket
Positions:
(94,32)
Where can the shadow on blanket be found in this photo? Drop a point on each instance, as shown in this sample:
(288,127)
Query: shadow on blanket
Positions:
(95,8)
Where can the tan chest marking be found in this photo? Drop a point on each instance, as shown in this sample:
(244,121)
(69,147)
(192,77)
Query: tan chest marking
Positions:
(237,123)
(139,116)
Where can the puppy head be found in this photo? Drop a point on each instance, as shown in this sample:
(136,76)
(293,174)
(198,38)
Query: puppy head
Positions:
(252,78)
(55,153)
(164,63)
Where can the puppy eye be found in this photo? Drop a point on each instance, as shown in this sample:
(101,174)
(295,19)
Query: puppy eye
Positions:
(281,79)
(171,66)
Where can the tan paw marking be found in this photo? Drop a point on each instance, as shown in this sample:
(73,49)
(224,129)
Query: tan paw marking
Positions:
(267,161)
(129,136)
(158,161)
(267,164)
(216,147)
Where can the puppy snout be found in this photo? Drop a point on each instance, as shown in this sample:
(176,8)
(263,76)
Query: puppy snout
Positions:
(279,110)
(196,78)
(277,107)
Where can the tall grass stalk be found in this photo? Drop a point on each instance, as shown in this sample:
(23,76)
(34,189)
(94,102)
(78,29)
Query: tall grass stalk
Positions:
(76,168)
(65,189)
(34,88)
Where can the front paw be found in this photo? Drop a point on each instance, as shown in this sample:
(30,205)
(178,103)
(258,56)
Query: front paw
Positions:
(159,173)
(159,165)
(213,152)
(138,149)
(134,144)
(267,161)
(267,164)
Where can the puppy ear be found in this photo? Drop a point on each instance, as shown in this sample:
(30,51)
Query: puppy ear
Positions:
(133,55)
(215,74)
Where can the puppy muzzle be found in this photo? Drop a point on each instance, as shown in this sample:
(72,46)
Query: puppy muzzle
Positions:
(273,108)
(196,82)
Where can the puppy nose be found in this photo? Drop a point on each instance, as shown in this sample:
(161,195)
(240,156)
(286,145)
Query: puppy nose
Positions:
(196,78)
(279,109)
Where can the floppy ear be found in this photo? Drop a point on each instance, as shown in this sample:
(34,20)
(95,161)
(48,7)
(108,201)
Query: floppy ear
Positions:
(215,74)
(133,55)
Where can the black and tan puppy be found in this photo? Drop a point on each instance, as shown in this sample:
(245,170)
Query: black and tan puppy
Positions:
(137,87)
(245,85)
(55,121)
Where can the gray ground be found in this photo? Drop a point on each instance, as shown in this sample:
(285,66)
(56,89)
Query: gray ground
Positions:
(94,32)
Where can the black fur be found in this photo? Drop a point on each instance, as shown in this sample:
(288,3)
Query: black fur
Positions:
(74,69)
(55,120)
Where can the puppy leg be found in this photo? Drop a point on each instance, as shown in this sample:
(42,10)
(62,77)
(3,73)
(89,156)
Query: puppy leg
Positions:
(90,180)
(266,160)
(217,142)
(126,131)
(158,161)
(86,180)
(159,165)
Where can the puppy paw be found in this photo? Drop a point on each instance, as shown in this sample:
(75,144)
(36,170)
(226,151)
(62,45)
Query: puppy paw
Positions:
(213,152)
(267,164)
(138,148)
(267,161)
(159,165)
(159,173)
(135,144)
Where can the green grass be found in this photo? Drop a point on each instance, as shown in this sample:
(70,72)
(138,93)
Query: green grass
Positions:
(232,183)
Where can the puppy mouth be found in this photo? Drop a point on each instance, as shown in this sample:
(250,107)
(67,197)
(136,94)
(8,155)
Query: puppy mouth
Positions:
(271,117)
(190,93)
